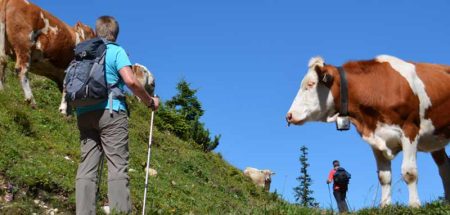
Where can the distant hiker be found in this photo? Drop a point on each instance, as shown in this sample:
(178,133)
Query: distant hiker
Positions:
(104,126)
(340,179)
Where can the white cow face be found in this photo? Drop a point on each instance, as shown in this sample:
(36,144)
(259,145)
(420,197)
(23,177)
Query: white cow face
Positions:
(314,101)
(145,78)
(267,174)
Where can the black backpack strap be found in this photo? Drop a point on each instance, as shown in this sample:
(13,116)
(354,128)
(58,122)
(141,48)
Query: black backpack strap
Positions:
(102,58)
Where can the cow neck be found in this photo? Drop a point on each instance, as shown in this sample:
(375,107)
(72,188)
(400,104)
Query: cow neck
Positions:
(343,110)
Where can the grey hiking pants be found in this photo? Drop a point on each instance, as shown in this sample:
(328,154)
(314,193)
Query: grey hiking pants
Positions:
(340,196)
(102,133)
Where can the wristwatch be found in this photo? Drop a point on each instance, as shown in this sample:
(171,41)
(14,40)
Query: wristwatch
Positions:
(152,104)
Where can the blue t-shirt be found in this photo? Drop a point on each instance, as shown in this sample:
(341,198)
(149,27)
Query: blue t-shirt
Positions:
(116,58)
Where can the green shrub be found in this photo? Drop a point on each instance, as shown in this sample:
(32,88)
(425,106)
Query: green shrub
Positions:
(181,116)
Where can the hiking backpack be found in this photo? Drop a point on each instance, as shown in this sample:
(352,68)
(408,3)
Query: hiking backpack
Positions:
(85,80)
(341,176)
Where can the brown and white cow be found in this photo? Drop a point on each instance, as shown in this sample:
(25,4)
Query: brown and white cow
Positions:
(395,106)
(145,78)
(261,178)
(39,42)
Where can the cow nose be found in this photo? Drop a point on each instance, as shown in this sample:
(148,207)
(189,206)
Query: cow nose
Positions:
(289,117)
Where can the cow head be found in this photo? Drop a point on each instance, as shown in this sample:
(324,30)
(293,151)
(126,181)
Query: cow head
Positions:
(145,78)
(267,178)
(267,174)
(314,100)
(83,32)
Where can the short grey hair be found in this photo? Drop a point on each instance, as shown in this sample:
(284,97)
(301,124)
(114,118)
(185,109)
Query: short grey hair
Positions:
(107,27)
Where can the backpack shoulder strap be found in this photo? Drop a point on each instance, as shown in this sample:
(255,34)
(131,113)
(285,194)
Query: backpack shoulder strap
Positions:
(113,89)
(107,42)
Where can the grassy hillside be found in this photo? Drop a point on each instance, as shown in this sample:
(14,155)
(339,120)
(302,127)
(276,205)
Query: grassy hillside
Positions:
(40,151)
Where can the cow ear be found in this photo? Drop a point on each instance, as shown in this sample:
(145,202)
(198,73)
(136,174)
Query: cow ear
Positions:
(324,77)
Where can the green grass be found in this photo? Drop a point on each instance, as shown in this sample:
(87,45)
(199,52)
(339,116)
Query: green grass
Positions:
(34,142)
(433,208)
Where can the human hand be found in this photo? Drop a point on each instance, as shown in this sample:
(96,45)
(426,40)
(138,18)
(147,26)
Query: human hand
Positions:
(154,103)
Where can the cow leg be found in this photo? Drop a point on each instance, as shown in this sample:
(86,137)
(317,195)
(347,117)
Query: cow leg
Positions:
(2,51)
(384,176)
(443,162)
(63,105)
(409,170)
(2,71)
(22,67)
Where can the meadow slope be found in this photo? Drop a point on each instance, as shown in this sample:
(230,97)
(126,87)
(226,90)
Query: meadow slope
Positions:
(39,152)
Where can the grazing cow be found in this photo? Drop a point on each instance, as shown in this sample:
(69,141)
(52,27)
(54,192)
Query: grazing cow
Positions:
(39,42)
(395,106)
(261,178)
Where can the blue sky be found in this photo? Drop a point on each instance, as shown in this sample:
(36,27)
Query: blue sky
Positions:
(247,59)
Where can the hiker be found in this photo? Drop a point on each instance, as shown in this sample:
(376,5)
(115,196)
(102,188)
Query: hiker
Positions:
(104,127)
(340,178)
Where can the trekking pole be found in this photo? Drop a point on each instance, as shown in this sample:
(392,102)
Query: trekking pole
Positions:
(331,200)
(100,176)
(348,204)
(148,161)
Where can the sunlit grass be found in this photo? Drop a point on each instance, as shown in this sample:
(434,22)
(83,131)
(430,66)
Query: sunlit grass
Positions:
(40,152)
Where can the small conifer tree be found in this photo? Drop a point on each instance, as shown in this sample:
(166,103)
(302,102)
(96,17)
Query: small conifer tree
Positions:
(181,115)
(303,193)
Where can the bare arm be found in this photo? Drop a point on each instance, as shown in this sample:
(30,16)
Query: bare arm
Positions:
(130,80)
